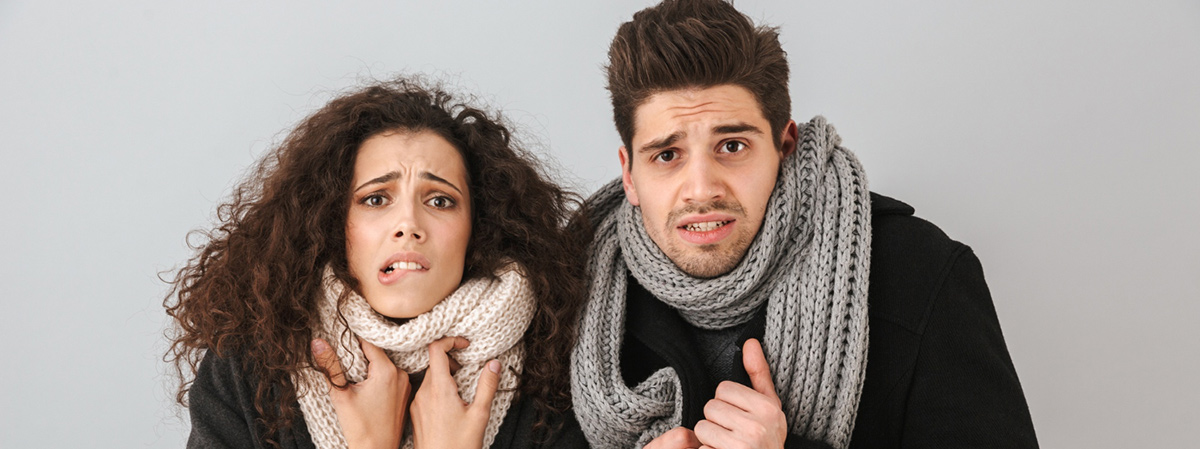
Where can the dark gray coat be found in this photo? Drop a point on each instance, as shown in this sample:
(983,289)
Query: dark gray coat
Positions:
(938,372)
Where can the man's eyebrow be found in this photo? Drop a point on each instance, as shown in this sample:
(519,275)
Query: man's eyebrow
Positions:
(435,178)
(394,175)
(737,128)
(664,142)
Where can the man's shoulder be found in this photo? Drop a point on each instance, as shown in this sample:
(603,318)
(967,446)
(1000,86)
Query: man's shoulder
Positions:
(910,260)
(894,220)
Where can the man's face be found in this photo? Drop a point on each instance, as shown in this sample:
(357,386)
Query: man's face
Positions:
(703,167)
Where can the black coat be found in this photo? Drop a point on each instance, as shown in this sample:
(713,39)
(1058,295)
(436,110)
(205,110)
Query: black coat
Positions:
(938,372)
(223,416)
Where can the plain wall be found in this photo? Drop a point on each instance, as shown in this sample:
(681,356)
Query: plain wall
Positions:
(1061,140)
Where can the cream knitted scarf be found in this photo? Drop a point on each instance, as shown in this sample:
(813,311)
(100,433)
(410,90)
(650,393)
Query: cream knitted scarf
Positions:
(809,265)
(492,314)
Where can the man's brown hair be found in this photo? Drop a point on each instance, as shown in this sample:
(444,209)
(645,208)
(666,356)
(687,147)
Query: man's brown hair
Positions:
(684,44)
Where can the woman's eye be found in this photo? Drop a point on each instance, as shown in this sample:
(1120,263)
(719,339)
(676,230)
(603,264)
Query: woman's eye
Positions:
(440,202)
(665,156)
(374,200)
(733,146)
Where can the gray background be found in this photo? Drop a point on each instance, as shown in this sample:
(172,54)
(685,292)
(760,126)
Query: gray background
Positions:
(1059,139)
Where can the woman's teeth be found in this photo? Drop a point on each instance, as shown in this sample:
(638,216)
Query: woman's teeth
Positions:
(403,266)
(705,226)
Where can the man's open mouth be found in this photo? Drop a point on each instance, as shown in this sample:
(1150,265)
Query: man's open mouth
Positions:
(705,226)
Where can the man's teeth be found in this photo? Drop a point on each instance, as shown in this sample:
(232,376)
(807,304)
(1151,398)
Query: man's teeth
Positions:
(403,266)
(705,226)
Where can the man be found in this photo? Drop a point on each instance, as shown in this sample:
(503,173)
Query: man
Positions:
(733,225)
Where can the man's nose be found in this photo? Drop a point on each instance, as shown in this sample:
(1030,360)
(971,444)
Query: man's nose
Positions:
(705,181)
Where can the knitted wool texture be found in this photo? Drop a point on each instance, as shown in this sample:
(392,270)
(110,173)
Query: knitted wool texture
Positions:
(491,314)
(809,264)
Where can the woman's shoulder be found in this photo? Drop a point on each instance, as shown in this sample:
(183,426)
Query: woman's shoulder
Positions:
(221,405)
(220,380)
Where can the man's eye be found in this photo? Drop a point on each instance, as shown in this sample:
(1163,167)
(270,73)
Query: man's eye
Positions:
(440,202)
(665,156)
(733,146)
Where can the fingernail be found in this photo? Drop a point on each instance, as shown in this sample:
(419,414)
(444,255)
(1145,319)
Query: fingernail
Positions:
(494,366)
(319,347)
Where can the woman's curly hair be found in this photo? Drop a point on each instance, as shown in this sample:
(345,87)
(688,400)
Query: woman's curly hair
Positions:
(249,292)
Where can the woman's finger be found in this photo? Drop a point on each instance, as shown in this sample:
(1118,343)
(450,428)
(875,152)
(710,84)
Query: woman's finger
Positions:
(328,361)
(373,353)
(485,389)
(378,362)
(454,365)
(439,361)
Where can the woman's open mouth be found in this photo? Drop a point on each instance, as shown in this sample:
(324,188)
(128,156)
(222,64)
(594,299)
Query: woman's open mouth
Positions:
(402,266)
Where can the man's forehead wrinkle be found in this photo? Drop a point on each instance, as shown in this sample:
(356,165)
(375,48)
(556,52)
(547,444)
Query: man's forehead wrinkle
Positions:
(682,111)
(686,105)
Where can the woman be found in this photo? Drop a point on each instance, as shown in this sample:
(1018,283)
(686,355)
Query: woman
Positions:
(387,220)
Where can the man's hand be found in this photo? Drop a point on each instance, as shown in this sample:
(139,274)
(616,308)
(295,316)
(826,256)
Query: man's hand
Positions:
(371,412)
(677,438)
(440,418)
(740,417)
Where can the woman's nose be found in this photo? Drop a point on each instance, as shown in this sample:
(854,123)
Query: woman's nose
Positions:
(408,224)
(413,234)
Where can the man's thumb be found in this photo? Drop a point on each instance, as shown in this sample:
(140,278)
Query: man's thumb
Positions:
(756,367)
(485,389)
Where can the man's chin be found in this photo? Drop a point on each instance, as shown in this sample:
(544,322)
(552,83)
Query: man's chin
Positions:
(706,264)
(705,261)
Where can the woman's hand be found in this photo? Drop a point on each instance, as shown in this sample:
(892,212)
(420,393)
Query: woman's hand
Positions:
(371,412)
(440,418)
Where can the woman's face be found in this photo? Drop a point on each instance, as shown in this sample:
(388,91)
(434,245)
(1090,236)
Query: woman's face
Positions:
(409,221)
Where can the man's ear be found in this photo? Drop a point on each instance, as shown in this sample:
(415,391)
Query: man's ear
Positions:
(627,176)
(787,142)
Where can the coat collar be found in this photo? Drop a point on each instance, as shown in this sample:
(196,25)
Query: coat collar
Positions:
(883,205)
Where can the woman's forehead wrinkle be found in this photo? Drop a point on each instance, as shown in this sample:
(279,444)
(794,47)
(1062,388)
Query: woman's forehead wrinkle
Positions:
(379,169)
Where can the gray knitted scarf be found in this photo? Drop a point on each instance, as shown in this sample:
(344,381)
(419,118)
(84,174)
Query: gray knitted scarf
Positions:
(809,264)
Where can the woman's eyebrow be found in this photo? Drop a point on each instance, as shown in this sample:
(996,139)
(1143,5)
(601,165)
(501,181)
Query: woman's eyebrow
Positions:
(393,175)
(436,178)
(387,177)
